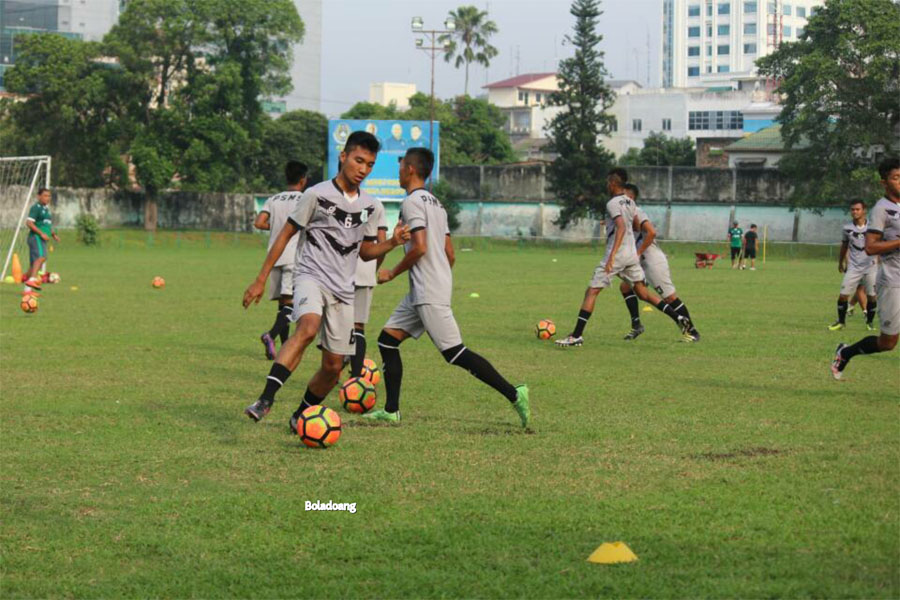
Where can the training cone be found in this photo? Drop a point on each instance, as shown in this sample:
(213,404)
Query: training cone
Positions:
(647,309)
(610,553)
(16,268)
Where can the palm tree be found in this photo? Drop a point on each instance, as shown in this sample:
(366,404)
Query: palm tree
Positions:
(469,42)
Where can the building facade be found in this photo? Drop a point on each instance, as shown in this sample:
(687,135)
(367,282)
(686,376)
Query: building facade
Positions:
(386,93)
(306,70)
(716,42)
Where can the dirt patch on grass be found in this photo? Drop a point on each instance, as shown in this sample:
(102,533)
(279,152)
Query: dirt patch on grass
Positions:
(745,453)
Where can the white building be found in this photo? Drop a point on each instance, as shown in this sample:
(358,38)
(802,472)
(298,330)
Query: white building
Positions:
(306,70)
(385,93)
(715,42)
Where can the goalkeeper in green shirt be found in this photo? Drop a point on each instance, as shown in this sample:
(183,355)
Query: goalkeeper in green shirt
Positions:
(40,227)
(736,236)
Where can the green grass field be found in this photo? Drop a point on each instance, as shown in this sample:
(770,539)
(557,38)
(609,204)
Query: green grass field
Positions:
(735,467)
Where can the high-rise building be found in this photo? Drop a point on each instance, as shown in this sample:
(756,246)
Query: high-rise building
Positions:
(713,42)
(306,70)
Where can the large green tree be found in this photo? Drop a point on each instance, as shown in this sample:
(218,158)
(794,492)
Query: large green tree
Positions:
(661,150)
(577,176)
(840,87)
(296,135)
(469,41)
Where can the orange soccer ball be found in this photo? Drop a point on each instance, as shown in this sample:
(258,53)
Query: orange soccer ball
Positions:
(29,303)
(545,329)
(159,282)
(357,395)
(319,427)
(371,372)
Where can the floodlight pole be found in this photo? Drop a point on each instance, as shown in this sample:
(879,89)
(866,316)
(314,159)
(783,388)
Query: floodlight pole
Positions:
(432,49)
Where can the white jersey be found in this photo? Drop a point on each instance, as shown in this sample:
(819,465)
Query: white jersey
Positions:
(365,269)
(653,254)
(431,278)
(885,219)
(855,238)
(621,206)
(280,206)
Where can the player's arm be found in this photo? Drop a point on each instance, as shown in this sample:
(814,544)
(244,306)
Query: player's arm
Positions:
(34,228)
(381,236)
(449,251)
(417,249)
(255,291)
(842,257)
(649,235)
(876,244)
(371,249)
(262,220)
(617,243)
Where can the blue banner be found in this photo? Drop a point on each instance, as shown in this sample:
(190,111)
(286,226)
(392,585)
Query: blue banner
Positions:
(395,138)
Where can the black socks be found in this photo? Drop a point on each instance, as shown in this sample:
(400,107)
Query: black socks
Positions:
(583,317)
(481,369)
(356,362)
(276,378)
(389,346)
(309,399)
(282,326)
(870,309)
(667,309)
(842,311)
(631,302)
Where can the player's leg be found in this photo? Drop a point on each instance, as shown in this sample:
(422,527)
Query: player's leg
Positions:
(403,323)
(362,304)
(321,383)
(889,321)
(280,287)
(867,291)
(649,297)
(599,281)
(734,254)
(36,256)
(852,279)
(631,302)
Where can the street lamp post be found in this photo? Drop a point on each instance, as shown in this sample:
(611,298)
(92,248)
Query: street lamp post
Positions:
(430,46)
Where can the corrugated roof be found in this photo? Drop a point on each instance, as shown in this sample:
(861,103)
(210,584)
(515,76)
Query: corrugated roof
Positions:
(518,80)
(764,140)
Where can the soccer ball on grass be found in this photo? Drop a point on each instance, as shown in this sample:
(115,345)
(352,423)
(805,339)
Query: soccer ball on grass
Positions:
(319,427)
(545,329)
(357,395)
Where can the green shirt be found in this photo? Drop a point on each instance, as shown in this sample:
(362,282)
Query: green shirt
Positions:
(40,214)
(736,234)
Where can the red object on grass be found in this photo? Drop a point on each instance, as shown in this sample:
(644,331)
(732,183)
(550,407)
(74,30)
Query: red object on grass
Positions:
(705,259)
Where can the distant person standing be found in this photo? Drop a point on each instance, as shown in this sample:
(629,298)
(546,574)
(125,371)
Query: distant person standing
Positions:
(735,236)
(750,247)
(40,226)
(859,269)
(274,214)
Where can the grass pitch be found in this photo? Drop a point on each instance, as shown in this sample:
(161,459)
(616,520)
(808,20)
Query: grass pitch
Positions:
(733,468)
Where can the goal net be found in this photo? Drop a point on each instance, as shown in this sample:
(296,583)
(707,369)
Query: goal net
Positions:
(20,179)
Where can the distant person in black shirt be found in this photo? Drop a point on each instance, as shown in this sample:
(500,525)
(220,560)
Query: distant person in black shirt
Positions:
(751,245)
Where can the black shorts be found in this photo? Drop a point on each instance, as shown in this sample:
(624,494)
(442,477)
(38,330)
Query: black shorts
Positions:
(735,252)
(750,253)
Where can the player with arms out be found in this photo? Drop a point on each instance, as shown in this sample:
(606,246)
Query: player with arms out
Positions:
(339,224)
(40,230)
(274,214)
(882,239)
(620,260)
(429,259)
(859,269)
(656,269)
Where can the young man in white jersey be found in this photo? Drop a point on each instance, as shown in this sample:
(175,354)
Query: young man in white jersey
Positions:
(883,240)
(620,260)
(429,259)
(657,272)
(366,279)
(339,223)
(859,268)
(274,214)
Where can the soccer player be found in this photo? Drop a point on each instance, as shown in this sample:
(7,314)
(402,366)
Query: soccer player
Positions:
(366,273)
(858,267)
(620,260)
(339,224)
(736,235)
(750,247)
(882,239)
(40,226)
(426,308)
(274,214)
(657,272)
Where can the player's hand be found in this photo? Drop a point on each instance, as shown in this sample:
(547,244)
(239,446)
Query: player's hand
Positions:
(841,268)
(385,275)
(45,237)
(253,293)
(401,234)
(55,237)
(609,267)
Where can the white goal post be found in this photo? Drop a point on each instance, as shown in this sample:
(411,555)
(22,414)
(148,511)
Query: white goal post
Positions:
(20,178)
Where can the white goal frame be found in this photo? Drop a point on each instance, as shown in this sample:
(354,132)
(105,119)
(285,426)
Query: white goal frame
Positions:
(41,161)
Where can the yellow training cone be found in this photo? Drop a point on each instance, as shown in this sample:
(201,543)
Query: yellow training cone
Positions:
(16,268)
(611,553)
(648,309)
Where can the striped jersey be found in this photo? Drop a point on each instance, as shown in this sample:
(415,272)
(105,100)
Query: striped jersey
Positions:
(280,206)
(855,238)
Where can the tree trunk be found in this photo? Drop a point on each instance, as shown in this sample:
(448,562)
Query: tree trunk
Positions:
(150,211)
(467,79)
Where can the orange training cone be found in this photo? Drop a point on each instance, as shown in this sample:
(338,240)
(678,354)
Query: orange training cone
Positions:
(16,268)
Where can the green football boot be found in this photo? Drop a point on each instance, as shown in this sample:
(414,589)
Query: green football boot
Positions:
(836,326)
(383,415)
(521,404)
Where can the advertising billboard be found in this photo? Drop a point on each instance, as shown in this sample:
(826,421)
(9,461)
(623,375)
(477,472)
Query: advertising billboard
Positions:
(395,137)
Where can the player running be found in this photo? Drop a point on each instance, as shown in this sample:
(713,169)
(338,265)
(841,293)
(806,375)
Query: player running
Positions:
(883,239)
(858,267)
(40,226)
(274,214)
(656,270)
(620,260)
(339,224)
(426,308)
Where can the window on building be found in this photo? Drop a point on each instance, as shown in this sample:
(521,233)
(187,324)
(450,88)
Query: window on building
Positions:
(812,10)
(723,49)
(750,7)
(636,125)
(724,8)
(750,28)
(715,119)
(770,29)
(709,31)
(770,8)
(693,71)
(667,124)
(723,69)
(786,9)
(523,96)
(537,97)
(709,10)
(709,68)
(694,10)
(724,29)
(693,32)
(799,32)
(787,31)
(693,50)
(749,48)
(614,126)
(801,12)
(708,50)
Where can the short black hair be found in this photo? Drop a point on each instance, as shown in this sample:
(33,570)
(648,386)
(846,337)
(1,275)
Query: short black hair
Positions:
(888,165)
(421,159)
(752,225)
(634,189)
(620,173)
(294,171)
(364,140)
(855,202)
(42,190)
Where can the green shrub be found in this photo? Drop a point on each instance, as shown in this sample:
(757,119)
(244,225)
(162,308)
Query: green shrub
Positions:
(88,229)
